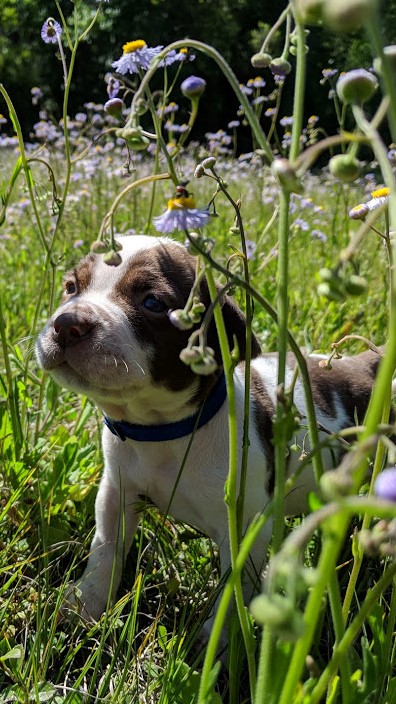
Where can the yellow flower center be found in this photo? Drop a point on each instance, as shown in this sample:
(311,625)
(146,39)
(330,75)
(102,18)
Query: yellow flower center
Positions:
(380,192)
(184,50)
(182,202)
(130,47)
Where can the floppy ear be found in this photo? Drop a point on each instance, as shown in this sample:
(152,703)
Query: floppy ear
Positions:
(235,324)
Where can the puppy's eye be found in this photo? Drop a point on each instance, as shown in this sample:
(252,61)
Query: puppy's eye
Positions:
(154,304)
(70,287)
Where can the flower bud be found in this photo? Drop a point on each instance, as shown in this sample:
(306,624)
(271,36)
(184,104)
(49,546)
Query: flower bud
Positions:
(99,247)
(356,86)
(344,167)
(261,60)
(390,53)
(346,15)
(199,171)
(280,67)
(193,87)
(112,258)
(328,291)
(209,162)
(287,176)
(355,285)
(191,354)
(336,484)
(279,613)
(114,107)
(205,367)
(134,138)
(180,319)
(310,10)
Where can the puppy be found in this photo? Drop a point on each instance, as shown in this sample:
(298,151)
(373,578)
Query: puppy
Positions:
(112,340)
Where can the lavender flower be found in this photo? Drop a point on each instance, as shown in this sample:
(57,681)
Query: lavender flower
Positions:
(136,57)
(385,484)
(51,31)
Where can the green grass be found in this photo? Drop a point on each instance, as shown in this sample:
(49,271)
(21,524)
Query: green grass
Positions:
(146,648)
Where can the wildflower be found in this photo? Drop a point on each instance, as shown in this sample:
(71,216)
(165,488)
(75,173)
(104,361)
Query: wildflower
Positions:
(319,235)
(136,57)
(270,112)
(257,82)
(328,73)
(359,212)
(300,224)
(181,214)
(36,94)
(3,120)
(356,86)
(185,54)
(286,121)
(113,86)
(385,484)
(233,124)
(193,87)
(51,31)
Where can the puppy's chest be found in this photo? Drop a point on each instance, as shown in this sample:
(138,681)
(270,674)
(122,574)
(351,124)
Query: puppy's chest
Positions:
(186,482)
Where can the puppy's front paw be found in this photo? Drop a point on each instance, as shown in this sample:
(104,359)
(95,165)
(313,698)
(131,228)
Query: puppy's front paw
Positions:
(82,601)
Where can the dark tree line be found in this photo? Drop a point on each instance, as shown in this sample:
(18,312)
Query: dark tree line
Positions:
(233,27)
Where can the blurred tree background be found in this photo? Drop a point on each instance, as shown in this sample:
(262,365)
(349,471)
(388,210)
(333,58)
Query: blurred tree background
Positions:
(234,27)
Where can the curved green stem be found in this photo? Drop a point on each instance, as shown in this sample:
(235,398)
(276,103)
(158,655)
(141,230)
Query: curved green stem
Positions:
(229,74)
(231,484)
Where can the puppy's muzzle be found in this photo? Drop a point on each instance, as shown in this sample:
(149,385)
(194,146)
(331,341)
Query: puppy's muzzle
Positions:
(71,327)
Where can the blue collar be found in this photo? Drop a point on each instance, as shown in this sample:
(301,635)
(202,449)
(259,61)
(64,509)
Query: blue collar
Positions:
(178,429)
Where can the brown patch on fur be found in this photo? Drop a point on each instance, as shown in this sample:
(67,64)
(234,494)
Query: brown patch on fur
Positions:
(81,276)
(263,413)
(349,381)
(168,273)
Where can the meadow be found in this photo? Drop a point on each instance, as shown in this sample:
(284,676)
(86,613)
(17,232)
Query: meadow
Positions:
(274,233)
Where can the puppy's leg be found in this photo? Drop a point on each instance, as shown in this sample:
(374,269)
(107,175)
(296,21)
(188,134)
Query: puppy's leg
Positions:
(116,523)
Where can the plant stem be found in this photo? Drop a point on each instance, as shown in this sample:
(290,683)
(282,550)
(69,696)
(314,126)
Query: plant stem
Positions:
(231,484)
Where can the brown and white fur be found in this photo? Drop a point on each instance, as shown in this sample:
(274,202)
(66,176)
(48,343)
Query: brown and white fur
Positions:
(105,343)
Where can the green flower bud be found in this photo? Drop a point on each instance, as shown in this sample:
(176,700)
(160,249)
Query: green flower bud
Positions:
(325,274)
(332,294)
(261,60)
(99,247)
(344,167)
(191,354)
(134,138)
(280,67)
(355,285)
(279,613)
(310,10)
(390,53)
(356,86)
(287,176)
(335,484)
(180,319)
(205,367)
(346,15)
(112,258)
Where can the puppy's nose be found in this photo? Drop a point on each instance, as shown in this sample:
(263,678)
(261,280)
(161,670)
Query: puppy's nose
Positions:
(69,328)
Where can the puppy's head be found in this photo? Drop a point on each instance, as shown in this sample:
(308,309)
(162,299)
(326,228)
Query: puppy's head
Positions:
(111,335)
